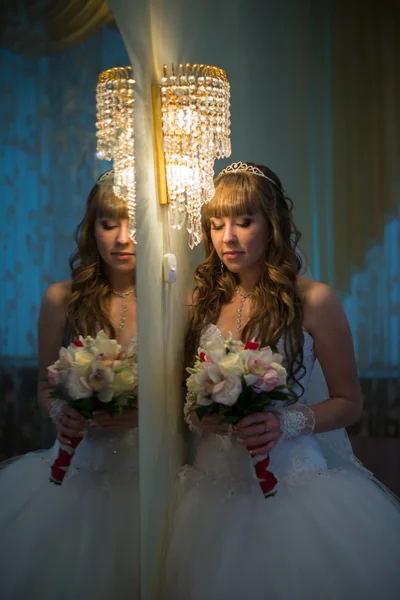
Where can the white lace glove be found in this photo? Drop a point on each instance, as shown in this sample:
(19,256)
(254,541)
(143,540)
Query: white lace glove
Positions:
(190,399)
(56,410)
(296,421)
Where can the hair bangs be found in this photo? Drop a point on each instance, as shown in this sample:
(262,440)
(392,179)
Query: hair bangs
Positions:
(235,195)
(110,206)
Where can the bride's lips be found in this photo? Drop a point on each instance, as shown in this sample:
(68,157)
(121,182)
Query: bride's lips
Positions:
(123,255)
(232,254)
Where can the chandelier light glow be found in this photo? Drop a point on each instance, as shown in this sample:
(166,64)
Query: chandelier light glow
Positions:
(193,131)
(115,133)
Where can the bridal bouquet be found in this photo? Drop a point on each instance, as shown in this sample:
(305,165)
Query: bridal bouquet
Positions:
(234,380)
(92,374)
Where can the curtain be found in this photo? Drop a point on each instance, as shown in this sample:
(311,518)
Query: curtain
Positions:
(366,128)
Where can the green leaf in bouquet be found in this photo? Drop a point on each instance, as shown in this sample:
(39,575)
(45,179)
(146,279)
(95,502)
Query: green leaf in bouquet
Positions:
(60,393)
(191,370)
(283,396)
(232,420)
(86,406)
(202,411)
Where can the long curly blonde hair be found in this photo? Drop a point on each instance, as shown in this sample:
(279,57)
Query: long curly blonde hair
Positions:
(88,305)
(277,310)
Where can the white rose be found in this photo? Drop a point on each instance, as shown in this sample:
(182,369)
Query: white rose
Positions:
(64,359)
(125,381)
(204,401)
(280,370)
(231,364)
(227,391)
(214,350)
(56,375)
(203,382)
(101,375)
(105,395)
(104,347)
(77,386)
(82,361)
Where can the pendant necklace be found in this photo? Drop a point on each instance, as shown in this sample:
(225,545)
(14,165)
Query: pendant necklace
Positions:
(123,310)
(243,297)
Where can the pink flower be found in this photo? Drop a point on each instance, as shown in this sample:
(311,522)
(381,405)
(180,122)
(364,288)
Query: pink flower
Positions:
(228,390)
(56,376)
(268,381)
(77,387)
(204,381)
(101,375)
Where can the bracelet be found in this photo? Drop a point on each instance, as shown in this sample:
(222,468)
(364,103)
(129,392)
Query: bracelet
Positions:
(293,423)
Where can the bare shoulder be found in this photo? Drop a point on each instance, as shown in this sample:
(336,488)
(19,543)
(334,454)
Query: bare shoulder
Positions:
(319,302)
(57,294)
(314,293)
(54,304)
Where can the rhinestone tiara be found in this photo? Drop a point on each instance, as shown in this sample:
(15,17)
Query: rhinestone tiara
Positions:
(241,166)
(105,177)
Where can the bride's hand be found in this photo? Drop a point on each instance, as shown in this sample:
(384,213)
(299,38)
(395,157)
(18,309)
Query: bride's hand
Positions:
(128,419)
(259,432)
(69,424)
(211,424)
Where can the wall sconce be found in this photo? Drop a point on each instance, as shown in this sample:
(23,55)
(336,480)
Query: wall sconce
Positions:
(191,112)
(115,133)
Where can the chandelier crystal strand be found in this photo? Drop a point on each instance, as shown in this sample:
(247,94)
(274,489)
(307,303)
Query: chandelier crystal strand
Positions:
(115,134)
(196,129)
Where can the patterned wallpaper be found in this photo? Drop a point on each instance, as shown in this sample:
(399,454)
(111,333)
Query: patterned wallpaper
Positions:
(47,167)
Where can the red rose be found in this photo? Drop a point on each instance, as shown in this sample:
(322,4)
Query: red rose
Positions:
(252,346)
(203,356)
(77,342)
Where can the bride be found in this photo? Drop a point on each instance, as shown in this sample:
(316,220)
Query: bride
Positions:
(79,540)
(331,531)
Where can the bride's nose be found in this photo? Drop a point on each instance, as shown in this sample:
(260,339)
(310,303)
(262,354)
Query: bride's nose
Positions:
(229,233)
(123,234)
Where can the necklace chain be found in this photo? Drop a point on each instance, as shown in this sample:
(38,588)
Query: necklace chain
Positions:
(243,297)
(123,296)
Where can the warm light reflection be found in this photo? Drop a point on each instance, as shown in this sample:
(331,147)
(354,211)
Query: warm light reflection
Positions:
(115,133)
(196,130)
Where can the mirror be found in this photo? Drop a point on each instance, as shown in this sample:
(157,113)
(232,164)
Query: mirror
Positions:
(69,507)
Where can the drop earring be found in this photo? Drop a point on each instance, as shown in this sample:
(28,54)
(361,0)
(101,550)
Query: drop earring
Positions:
(222,267)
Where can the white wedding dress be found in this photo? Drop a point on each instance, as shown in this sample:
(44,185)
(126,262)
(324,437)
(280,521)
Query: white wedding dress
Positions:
(79,540)
(328,534)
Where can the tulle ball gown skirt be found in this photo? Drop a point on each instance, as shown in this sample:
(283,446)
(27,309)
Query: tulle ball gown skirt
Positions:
(77,541)
(326,535)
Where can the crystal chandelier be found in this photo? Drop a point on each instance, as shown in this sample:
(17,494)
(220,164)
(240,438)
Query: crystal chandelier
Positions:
(195,130)
(115,133)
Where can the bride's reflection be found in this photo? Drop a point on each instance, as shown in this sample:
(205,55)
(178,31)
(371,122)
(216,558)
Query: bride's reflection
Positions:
(69,515)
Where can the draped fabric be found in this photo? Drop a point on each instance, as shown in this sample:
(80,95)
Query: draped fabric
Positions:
(355,170)
(373,307)
(366,129)
(46,26)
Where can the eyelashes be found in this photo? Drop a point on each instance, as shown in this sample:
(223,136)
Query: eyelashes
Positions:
(107,225)
(245,224)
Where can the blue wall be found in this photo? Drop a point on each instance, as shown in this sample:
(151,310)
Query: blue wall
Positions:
(48,166)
